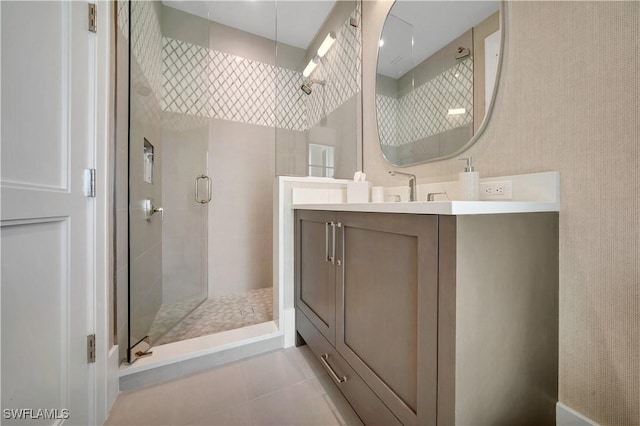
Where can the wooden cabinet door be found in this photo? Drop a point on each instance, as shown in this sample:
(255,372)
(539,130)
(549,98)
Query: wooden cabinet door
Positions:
(387,308)
(315,273)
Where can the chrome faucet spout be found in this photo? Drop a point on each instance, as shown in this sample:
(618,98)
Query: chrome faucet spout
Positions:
(412,183)
(431,196)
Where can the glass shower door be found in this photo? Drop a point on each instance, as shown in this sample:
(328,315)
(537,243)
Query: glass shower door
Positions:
(168,232)
(186,194)
(169,191)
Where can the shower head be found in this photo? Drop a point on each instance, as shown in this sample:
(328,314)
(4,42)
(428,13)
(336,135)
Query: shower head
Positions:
(306,87)
(463,52)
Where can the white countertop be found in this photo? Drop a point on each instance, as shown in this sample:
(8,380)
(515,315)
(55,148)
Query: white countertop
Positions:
(438,207)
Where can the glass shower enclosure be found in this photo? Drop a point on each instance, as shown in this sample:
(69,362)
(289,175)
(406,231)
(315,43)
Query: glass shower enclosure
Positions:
(219,105)
(169,186)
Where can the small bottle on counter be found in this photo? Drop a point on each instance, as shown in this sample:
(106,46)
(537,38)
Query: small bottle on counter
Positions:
(469,182)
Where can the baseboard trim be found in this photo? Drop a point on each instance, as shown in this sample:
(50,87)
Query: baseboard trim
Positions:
(566,416)
(289,327)
(112,376)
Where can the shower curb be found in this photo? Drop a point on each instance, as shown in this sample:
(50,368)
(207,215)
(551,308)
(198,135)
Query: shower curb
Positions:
(199,362)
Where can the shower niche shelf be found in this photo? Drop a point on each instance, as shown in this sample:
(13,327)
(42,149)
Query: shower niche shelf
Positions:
(147,161)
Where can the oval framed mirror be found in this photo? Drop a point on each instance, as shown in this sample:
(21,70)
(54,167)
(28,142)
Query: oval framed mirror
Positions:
(437,74)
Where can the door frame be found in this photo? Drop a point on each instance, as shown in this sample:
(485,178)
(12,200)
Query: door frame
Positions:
(102,295)
(107,360)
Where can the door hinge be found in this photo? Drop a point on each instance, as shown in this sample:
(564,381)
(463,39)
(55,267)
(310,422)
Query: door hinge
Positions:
(93,17)
(91,348)
(90,182)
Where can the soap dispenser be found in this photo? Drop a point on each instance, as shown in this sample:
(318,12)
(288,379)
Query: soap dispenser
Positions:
(469,182)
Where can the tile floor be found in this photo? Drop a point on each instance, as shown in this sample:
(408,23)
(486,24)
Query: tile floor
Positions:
(214,315)
(284,387)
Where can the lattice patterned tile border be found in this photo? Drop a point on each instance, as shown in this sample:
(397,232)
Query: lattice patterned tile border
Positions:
(423,112)
(146,43)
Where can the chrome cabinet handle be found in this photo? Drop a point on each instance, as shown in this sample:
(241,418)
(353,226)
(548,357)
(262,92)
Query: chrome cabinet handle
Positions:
(327,258)
(324,358)
(333,243)
(330,256)
(197,197)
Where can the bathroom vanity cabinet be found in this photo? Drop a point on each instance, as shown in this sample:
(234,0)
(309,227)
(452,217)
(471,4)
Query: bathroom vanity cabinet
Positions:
(432,319)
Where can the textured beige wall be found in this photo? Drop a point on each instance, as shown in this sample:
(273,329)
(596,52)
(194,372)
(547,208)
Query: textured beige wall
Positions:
(569,100)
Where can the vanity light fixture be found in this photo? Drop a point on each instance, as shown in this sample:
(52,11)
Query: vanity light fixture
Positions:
(326,44)
(456,111)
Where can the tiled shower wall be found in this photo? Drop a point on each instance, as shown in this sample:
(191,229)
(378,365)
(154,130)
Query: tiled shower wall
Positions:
(208,83)
(147,45)
(341,69)
(205,82)
(332,109)
(230,111)
(195,80)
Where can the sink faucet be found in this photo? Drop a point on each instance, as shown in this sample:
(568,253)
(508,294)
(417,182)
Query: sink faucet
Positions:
(431,196)
(412,183)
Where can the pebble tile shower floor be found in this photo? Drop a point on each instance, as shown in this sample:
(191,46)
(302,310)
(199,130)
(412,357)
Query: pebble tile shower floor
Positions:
(214,315)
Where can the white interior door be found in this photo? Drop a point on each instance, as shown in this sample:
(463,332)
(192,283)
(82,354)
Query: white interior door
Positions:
(47,222)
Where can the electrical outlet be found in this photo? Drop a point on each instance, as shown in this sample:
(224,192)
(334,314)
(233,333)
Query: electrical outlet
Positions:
(495,190)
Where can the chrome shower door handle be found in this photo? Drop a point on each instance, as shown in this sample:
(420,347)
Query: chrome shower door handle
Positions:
(150,210)
(197,196)
(156,209)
